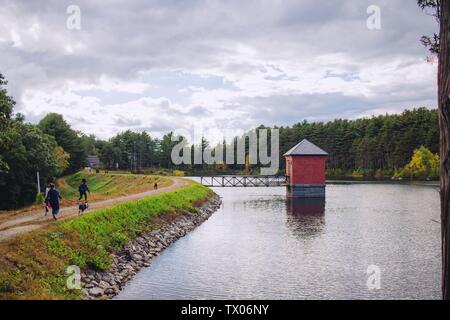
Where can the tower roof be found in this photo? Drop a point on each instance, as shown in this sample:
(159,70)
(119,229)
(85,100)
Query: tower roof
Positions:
(306,148)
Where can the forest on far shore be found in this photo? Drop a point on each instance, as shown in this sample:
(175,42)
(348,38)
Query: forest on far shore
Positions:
(377,147)
(398,146)
(380,147)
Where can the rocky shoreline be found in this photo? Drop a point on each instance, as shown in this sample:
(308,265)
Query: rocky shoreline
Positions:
(134,257)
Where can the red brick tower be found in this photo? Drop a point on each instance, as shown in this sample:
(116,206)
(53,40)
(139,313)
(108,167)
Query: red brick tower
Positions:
(305,167)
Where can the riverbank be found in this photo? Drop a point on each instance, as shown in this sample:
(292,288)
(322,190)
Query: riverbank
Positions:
(386,182)
(138,255)
(34,264)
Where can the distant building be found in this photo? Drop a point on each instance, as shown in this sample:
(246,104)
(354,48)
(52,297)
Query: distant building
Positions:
(305,167)
(93,161)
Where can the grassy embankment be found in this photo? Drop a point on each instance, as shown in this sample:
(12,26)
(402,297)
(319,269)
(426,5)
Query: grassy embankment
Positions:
(107,185)
(33,265)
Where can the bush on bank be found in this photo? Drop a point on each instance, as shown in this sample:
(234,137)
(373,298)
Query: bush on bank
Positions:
(34,264)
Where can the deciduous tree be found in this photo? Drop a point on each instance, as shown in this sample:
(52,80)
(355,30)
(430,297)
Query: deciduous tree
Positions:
(70,140)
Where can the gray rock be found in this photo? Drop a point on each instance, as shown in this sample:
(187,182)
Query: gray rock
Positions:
(103,284)
(96,292)
(137,257)
(88,285)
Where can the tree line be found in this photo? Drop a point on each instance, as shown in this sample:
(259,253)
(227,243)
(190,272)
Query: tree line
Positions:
(376,147)
(368,147)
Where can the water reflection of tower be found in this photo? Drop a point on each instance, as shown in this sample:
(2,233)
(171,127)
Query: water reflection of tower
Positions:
(305,216)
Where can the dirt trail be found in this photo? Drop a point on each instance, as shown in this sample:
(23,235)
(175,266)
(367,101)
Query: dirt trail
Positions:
(31,220)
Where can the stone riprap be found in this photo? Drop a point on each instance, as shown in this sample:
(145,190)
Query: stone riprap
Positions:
(134,257)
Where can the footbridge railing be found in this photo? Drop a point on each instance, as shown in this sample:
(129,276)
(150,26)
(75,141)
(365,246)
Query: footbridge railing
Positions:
(244,181)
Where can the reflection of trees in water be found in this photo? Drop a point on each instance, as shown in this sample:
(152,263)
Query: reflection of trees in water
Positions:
(305,217)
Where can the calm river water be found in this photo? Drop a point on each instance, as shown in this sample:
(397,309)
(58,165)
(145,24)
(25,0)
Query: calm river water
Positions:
(260,245)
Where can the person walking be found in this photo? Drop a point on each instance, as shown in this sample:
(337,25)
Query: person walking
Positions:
(83,189)
(53,197)
(47,203)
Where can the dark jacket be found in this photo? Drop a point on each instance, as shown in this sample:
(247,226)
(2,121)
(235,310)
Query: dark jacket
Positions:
(83,188)
(53,197)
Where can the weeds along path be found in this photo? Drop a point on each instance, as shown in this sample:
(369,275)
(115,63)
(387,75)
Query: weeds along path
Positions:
(31,220)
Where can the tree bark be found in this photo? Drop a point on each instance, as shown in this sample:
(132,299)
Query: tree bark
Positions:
(444,124)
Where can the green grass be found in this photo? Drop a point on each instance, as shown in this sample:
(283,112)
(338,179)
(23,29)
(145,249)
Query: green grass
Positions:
(106,185)
(34,264)
(103,186)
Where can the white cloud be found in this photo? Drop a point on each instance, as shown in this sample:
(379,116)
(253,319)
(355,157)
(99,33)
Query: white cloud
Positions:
(35,31)
(108,84)
(161,66)
(16,39)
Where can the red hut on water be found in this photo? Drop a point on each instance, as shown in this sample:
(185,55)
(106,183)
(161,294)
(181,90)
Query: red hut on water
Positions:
(305,167)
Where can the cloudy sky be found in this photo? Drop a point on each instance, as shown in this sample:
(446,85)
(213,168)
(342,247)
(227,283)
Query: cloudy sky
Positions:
(229,65)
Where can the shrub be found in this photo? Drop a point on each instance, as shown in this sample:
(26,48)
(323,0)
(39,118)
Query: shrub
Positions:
(424,165)
(40,198)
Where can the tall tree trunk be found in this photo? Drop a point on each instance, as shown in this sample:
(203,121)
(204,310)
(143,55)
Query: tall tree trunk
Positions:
(444,124)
